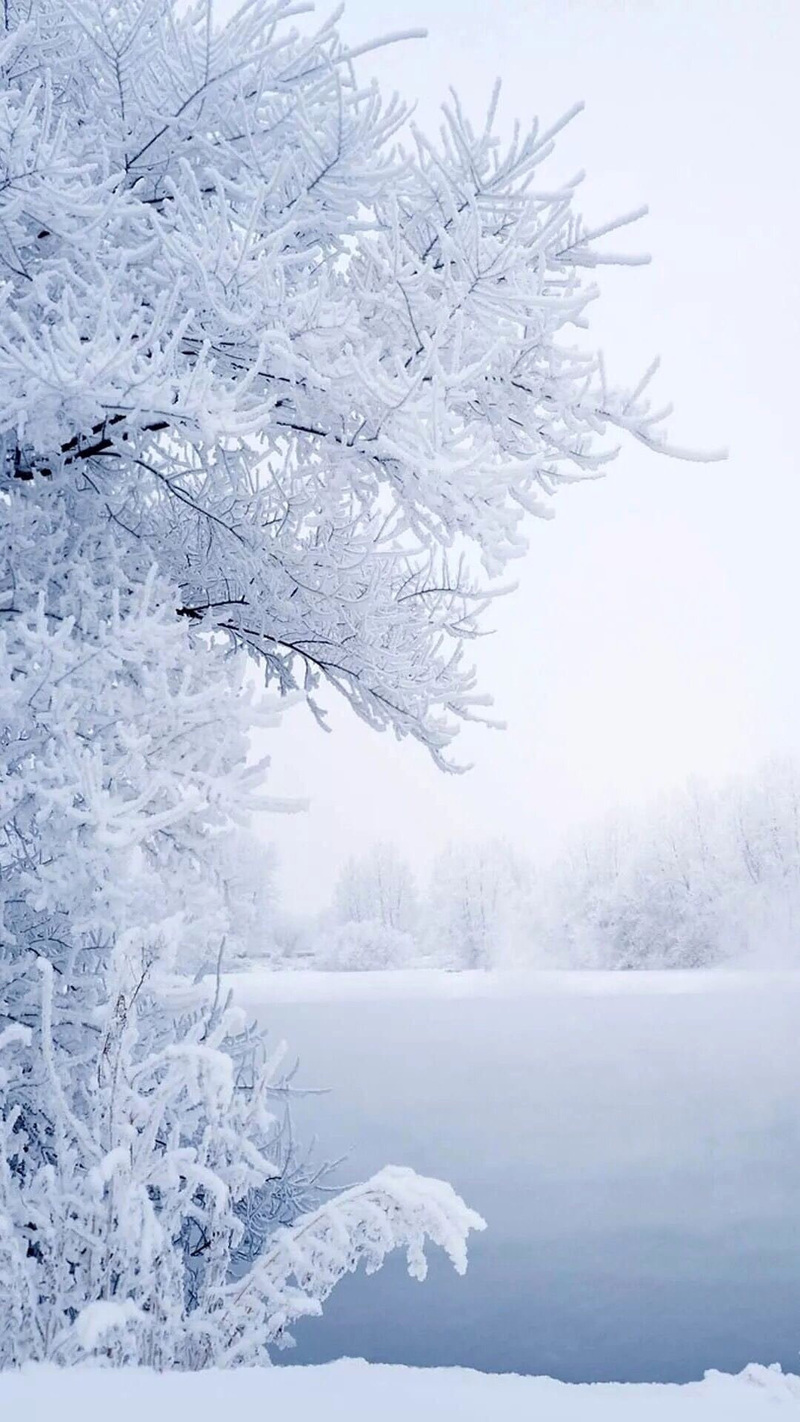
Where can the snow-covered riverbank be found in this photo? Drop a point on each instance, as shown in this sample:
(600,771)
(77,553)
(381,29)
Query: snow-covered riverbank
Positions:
(262,984)
(353,1391)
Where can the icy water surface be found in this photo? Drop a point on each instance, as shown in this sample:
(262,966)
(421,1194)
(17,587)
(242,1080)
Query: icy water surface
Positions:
(635,1153)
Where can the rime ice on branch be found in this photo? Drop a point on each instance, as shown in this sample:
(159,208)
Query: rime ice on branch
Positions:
(318,376)
(145,1170)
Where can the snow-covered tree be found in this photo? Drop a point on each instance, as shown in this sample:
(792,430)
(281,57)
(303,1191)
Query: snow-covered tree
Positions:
(634,891)
(476,908)
(758,909)
(705,876)
(320,378)
(138,1132)
(377,888)
(248,868)
(269,383)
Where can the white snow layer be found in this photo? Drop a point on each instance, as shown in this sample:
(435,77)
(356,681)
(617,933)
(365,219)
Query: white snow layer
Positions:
(354,1391)
(263,985)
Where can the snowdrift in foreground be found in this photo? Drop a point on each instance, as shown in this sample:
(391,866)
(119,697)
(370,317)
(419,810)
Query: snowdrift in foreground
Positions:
(354,1391)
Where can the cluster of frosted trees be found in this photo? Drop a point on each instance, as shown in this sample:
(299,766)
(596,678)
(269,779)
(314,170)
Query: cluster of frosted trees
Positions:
(704,877)
(709,876)
(472,912)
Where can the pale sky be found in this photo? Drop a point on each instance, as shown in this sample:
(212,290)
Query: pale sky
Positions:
(653,635)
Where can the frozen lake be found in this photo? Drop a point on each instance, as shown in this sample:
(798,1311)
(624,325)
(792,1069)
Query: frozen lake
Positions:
(633,1141)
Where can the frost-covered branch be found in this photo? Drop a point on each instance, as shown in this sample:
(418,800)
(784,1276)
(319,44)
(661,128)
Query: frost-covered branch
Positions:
(293,348)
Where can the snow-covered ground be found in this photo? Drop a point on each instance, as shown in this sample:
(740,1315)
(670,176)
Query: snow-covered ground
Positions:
(633,1141)
(262,985)
(356,1392)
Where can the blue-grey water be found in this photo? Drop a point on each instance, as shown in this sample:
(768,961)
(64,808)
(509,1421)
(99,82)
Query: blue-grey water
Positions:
(637,1158)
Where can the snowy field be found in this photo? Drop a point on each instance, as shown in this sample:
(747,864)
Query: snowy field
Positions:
(633,1141)
(356,1392)
(261,985)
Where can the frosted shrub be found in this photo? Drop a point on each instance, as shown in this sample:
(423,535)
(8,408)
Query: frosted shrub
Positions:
(368,944)
(138,1112)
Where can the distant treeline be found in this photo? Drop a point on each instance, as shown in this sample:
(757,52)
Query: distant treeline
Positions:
(705,877)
